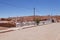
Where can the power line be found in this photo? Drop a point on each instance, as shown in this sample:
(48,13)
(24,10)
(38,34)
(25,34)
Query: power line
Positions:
(8,4)
(15,6)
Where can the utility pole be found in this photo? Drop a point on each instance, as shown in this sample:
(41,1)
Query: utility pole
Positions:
(51,14)
(34,15)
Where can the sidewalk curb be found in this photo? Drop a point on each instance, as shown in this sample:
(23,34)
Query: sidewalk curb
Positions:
(7,30)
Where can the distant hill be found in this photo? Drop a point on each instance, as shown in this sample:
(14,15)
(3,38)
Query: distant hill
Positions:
(31,18)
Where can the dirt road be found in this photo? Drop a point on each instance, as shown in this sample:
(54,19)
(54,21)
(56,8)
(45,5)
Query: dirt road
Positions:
(45,32)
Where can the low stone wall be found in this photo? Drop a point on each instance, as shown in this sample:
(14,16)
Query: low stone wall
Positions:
(7,25)
(32,23)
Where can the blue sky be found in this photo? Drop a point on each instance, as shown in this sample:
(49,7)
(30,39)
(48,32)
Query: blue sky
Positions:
(12,8)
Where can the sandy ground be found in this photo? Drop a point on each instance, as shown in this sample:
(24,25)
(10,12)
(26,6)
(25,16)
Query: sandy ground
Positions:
(45,32)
